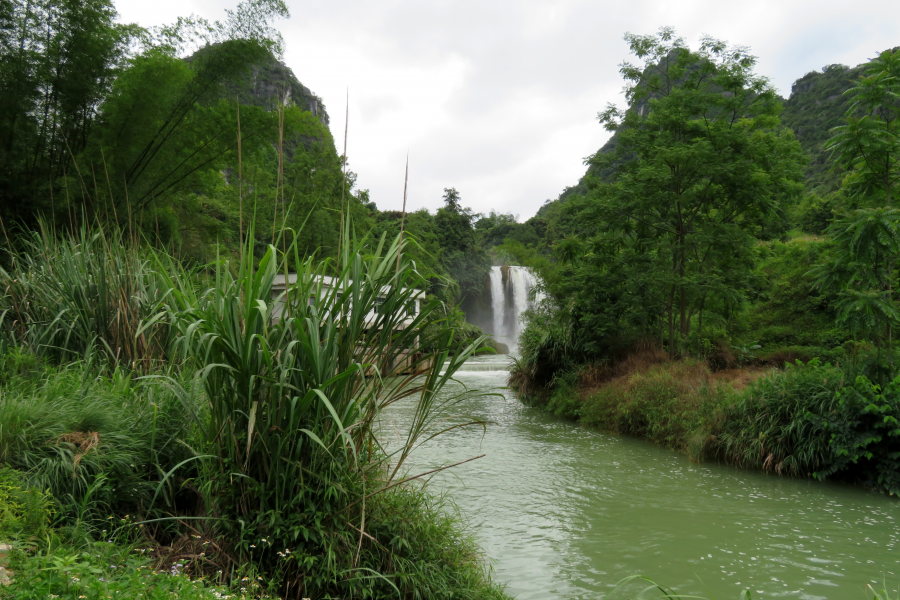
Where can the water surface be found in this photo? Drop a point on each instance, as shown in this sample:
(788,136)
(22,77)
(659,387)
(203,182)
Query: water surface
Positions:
(566,512)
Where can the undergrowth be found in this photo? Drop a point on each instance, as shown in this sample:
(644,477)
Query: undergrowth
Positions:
(807,419)
(226,427)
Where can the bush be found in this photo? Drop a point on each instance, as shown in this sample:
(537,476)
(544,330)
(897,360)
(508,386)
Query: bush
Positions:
(864,430)
(777,424)
(805,420)
(675,404)
(24,511)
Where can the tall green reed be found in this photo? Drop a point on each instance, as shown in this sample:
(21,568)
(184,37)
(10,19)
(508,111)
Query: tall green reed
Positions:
(294,384)
(62,296)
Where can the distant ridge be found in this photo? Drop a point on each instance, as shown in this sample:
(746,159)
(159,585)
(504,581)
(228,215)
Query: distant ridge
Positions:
(816,106)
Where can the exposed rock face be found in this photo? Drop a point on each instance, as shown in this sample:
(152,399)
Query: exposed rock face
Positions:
(271,82)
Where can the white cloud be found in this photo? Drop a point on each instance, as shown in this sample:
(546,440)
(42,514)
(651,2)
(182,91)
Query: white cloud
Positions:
(499,98)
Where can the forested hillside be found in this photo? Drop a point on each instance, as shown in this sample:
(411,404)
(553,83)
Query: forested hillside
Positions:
(723,229)
(816,105)
(189,135)
(757,286)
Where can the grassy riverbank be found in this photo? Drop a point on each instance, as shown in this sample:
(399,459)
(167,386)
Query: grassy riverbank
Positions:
(807,419)
(181,439)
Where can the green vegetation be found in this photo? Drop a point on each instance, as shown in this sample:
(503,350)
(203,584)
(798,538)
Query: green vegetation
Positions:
(154,392)
(690,260)
(721,281)
(185,135)
(245,442)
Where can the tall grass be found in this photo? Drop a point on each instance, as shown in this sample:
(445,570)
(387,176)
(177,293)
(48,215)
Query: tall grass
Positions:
(678,405)
(779,423)
(241,417)
(97,443)
(63,296)
(294,386)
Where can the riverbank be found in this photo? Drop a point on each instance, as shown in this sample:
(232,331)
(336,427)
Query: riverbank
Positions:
(176,412)
(807,419)
(566,511)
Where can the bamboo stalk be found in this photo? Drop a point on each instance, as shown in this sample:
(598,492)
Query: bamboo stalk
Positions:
(240,182)
(109,186)
(402,218)
(344,176)
(68,203)
(280,169)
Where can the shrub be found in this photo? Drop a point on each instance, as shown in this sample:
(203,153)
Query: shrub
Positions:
(864,430)
(777,424)
(24,511)
(674,404)
(805,420)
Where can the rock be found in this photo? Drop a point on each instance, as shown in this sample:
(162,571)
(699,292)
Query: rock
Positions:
(5,574)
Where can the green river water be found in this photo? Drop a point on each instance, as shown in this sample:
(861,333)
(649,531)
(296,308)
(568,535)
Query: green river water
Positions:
(565,512)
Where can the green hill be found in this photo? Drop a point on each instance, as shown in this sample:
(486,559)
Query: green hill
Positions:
(816,106)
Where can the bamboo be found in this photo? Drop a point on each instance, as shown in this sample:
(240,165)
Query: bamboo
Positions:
(344,174)
(240,182)
(402,216)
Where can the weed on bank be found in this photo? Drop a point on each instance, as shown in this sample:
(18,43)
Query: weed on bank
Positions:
(224,427)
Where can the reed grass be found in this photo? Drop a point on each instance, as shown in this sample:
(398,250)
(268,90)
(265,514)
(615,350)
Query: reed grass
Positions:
(779,423)
(294,386)
(246,418)
(64,296)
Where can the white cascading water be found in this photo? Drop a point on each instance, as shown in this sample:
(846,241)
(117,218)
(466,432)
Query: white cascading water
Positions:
(498,301)
(510,291)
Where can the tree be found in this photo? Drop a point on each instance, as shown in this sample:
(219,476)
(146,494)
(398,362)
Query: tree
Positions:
(867,238)
(868,145)
(461,255)
(700,165)
(95,112)
(58,60)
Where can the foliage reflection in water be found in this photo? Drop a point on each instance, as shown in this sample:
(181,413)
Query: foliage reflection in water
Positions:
(567,513)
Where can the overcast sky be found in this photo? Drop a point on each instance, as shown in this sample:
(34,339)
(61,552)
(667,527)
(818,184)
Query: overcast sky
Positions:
(498,98)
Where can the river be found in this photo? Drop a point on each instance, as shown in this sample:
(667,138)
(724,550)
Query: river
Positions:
(565,512)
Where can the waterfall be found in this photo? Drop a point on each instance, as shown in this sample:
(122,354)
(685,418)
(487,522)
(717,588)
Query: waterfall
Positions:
(510,290)
(498,303)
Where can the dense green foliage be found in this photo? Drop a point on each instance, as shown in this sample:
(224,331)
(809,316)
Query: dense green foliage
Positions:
(691,235)
(249,432)
(186,134)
